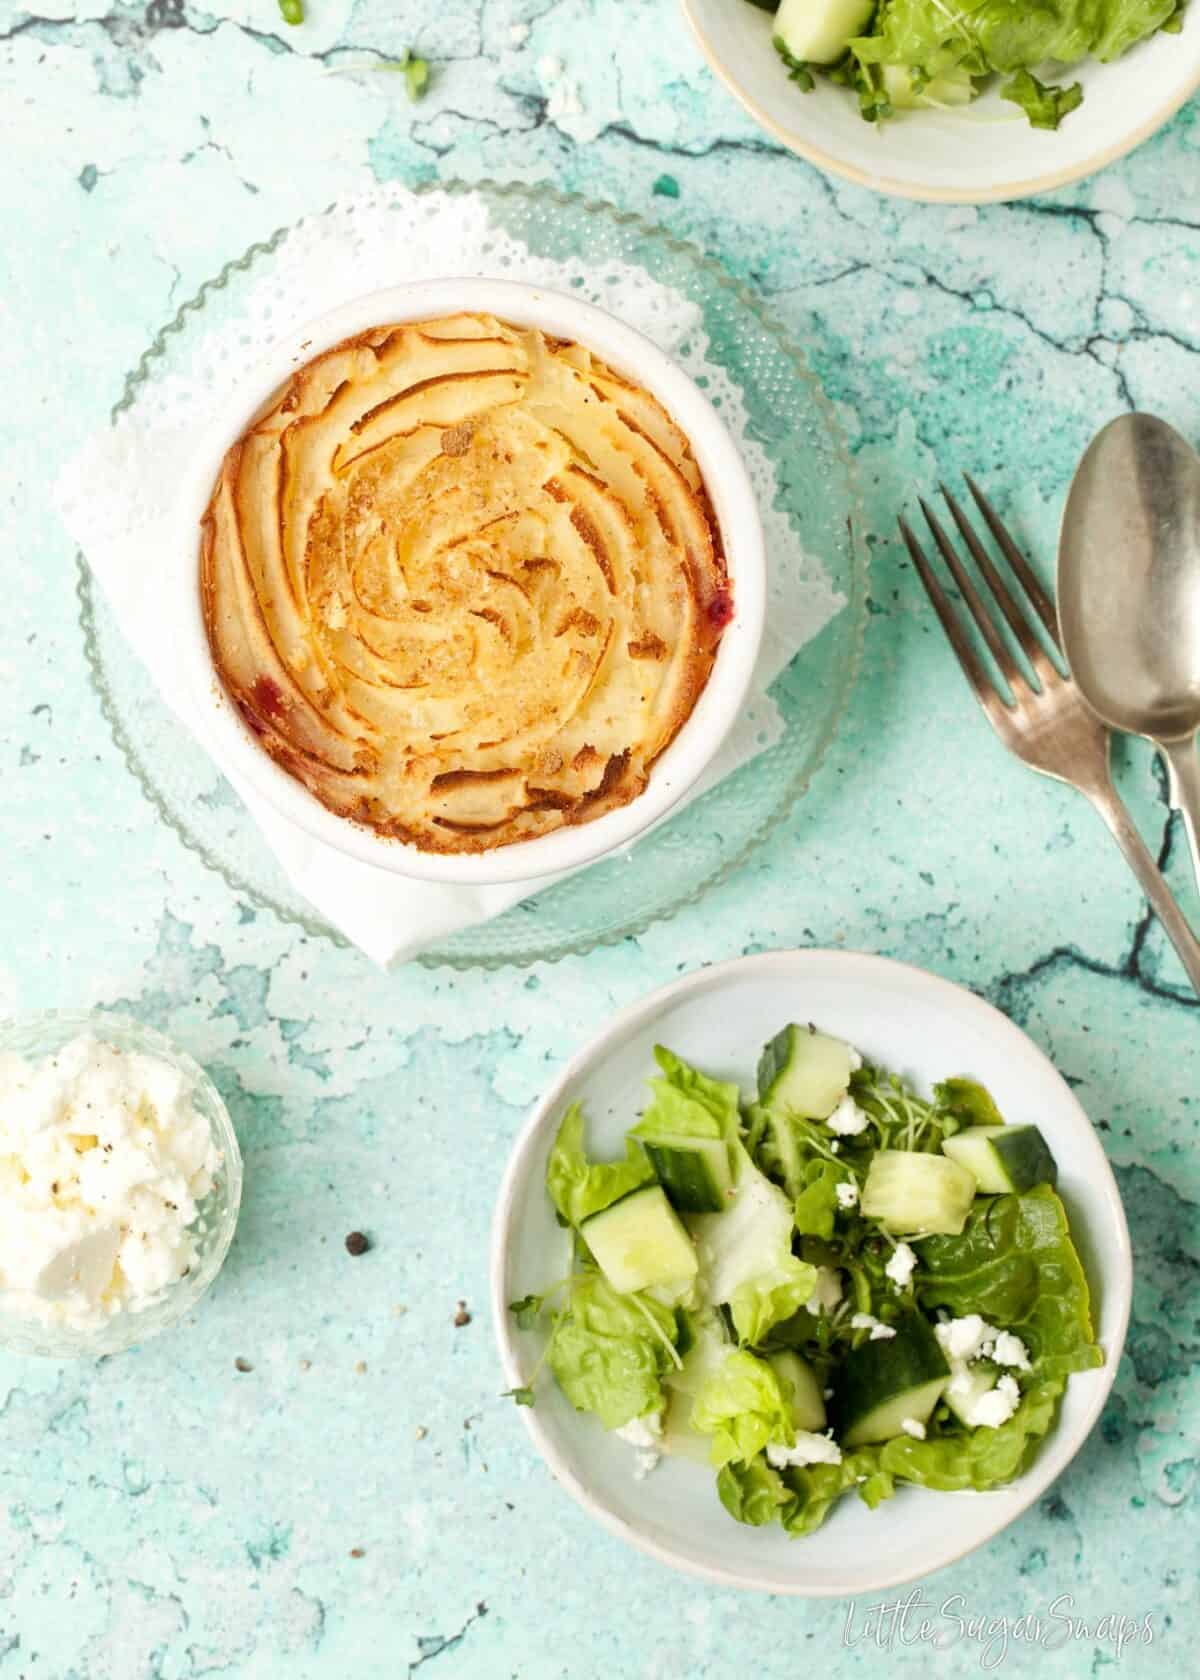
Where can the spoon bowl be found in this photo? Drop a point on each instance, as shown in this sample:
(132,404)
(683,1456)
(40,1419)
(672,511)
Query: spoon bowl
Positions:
(1129,592)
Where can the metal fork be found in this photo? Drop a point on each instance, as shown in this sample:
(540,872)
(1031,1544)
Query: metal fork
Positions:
(1046,723)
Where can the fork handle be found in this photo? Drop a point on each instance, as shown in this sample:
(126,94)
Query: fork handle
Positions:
(1184,768)
(1111,807)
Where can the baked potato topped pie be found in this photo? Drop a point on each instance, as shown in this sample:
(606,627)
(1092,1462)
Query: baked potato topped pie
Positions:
(463,580)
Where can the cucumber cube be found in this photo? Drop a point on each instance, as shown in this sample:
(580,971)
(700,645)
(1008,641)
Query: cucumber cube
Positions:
(1003,1157)
(799,1380)
(801,1071)
(883,1384)
(819,31)
(912,1193)
(640,1243)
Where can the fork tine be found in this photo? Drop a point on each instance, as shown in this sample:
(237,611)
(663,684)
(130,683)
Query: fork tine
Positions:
(1009,669)
(985,691)
(1017,619)
(1025,574)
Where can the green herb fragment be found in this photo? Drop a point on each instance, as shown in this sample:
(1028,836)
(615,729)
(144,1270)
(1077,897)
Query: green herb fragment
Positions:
(797,71)
(519,1396)
(816,1206)
(292,11)
(1044,106)
(414,70)
(968,1101)
(526,1310)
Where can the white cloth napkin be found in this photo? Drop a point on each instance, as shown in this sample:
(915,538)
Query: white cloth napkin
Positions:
(115,498)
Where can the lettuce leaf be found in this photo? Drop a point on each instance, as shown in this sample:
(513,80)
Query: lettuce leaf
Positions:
(742,1406)
(609,1351)
(688,1103)
(1044,105)
(746,1255)
(1015,1264)
(970,1102)
(1005,34)
(931,40)
(816,1207)
(816,1488)
(754,1493)
(800,1497)
(579,1187)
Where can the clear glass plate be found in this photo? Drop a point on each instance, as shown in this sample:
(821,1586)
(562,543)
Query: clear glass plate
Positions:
(792,420)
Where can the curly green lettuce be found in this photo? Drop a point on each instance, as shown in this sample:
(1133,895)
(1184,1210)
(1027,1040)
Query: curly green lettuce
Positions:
(928,53)
(579,1187)
(609,1352)
(743,1407)
(1015,1264)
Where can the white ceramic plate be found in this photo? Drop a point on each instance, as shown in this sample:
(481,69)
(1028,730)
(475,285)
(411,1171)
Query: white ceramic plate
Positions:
(909,1021)
(987,151)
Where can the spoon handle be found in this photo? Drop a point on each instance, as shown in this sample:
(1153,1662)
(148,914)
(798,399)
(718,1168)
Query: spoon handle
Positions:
(1107,801)
(1184,768)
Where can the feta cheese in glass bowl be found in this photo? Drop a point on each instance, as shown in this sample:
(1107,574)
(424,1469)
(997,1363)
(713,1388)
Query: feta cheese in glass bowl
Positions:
(120,1183)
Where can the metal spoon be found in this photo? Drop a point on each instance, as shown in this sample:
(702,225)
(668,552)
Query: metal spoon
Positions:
(1129,594)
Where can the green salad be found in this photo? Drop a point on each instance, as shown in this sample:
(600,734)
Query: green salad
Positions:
(829,1285)
(905,54)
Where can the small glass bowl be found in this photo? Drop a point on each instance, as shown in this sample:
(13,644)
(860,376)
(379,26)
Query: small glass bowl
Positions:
(38,1036)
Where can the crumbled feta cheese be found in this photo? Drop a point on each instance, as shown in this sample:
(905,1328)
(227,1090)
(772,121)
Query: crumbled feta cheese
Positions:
(968,1339)
(847,1119)
(549,68)
(964,1338)
(960,1379)
(879,1332)
(847,1195)
(911,1427)
(1011,1350)
(834,1147)
(827,1291)
(518,33)
(809,1449)
(996,1406)
(855,1058)
(103,1160)
(901,1266)
(645,1431)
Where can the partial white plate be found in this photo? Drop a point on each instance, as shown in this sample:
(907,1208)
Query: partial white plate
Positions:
(987,151)
(915,1024)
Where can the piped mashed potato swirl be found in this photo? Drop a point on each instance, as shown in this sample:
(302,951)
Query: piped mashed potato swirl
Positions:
(463,581)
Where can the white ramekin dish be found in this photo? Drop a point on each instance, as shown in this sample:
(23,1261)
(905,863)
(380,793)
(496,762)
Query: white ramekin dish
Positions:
(915,1024)
(728,483)
(975,154)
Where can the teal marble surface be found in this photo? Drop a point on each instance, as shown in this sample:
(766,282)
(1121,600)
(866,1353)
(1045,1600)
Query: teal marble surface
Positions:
(361,1503)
